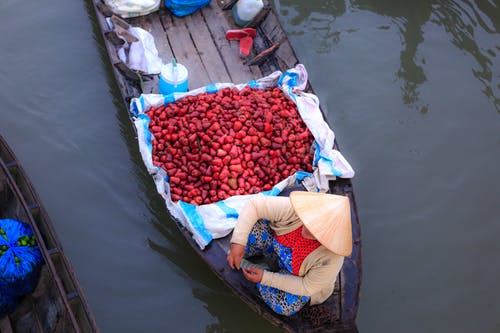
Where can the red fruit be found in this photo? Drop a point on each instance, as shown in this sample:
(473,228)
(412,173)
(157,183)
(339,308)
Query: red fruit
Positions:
(237,126)
(217,162)
(285,114)
(252,131)
(236,167)
(268,128)
(300,151)
(240,135)
(234,152)
(233,183)
(259,172)
(265,142)
(235,161)
(169,165)
(247,140)
(226,160)
(206,157)
(219,136)
(223,174)
(275,145)
(214,127)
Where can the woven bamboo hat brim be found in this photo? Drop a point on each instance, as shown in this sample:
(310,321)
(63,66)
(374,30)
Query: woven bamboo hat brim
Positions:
(327,217)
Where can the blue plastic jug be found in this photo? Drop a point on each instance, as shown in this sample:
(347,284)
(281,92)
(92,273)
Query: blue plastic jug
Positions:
(173,78)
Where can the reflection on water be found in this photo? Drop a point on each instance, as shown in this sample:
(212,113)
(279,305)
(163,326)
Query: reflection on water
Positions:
(409,18)
(218,300)
(317,16)
(412,89)
(472,27)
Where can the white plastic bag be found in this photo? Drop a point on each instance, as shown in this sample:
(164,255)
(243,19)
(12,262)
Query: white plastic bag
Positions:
(132,8)
(141,55)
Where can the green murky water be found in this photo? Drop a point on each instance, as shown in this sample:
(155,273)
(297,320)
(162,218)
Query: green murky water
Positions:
(412,90)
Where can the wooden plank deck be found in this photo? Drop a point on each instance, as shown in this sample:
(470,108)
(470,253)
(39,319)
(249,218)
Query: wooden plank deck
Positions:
(198,41)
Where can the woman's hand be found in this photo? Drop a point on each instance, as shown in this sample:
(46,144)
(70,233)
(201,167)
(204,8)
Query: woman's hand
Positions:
(235,255)
(253,274)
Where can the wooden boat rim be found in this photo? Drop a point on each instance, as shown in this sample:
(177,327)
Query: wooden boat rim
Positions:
(5,150)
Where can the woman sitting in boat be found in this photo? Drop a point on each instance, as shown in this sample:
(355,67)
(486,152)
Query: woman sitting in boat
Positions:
(310,233)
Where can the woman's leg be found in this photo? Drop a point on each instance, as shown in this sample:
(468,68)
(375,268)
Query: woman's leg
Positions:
(281,302)
(260,240)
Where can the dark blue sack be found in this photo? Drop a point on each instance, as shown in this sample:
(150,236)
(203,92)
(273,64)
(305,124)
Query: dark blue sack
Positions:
(185,7)
(8,302)
(20,258)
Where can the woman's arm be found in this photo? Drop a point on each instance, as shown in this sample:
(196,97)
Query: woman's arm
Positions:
(320,276)
(278,210)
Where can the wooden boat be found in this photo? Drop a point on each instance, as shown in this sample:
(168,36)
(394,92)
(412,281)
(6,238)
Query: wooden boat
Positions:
(57,304)
(198,42)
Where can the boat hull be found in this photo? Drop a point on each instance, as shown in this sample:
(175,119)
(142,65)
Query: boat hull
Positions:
(198,42)
(57,304)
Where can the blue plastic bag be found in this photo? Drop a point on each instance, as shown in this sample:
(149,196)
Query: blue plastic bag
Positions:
(185,7)
(20,259)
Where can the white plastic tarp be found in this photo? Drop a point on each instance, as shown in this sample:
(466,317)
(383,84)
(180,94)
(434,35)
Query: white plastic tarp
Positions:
(216,220)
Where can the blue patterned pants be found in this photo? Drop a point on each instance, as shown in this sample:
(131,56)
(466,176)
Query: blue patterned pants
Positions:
(261,242)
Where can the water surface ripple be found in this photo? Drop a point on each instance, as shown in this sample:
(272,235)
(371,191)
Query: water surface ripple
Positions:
(412,90)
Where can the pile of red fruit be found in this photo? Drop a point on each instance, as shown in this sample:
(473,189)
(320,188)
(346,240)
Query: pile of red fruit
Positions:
(232,142)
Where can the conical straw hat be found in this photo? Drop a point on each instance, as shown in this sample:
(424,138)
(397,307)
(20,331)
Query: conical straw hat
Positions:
(327,217)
